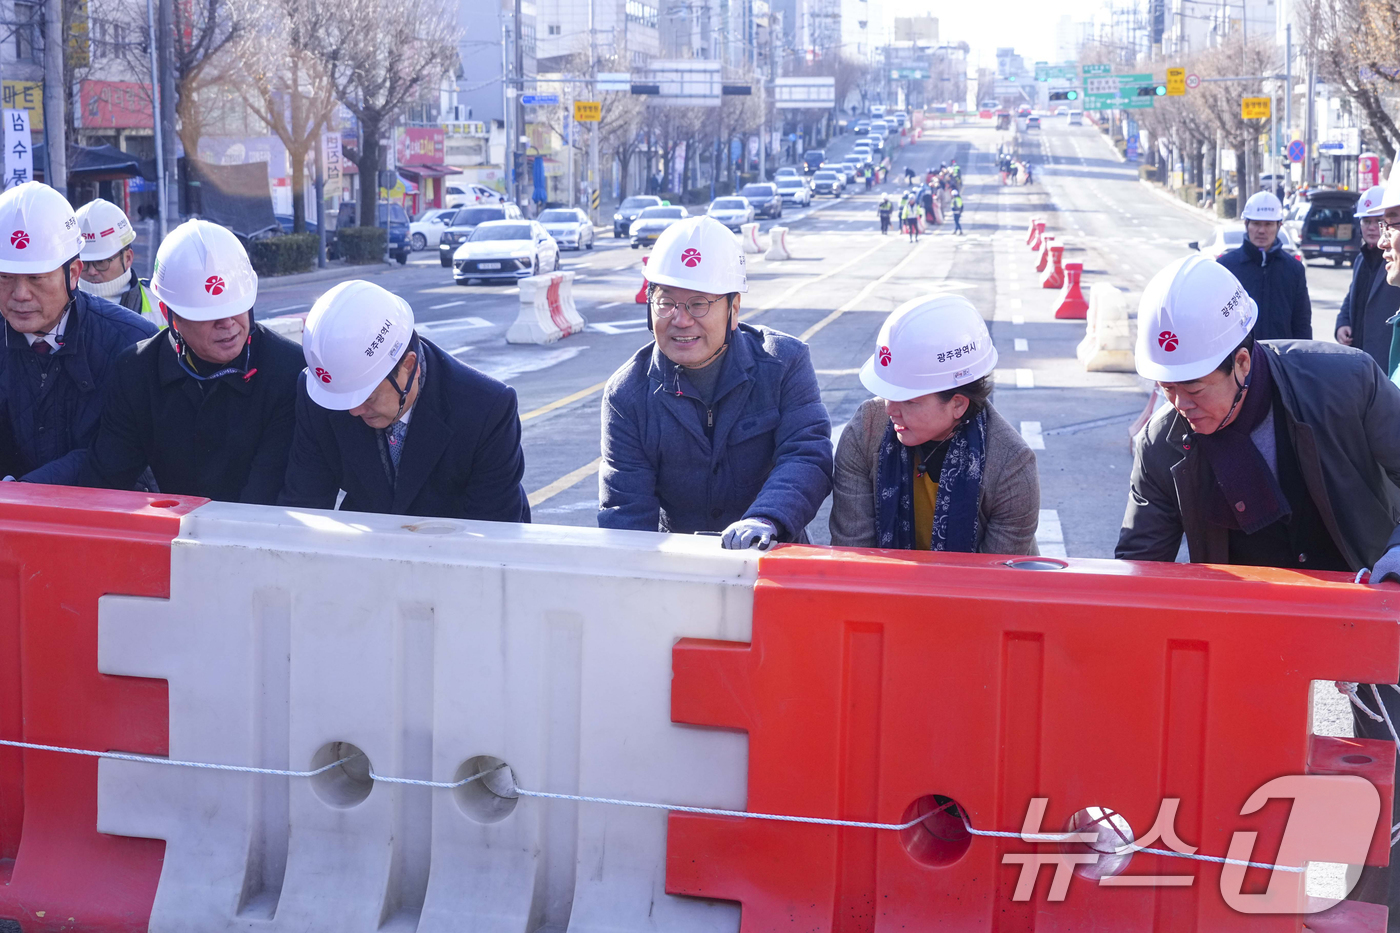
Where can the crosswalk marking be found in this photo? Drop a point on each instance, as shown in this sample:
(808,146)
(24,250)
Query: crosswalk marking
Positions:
(1022,345)
(1049,536)
(1025,379)
(1030,433)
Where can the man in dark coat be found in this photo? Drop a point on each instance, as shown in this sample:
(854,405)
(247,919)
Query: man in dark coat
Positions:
(1274,279)
(1364,321)
(397,423)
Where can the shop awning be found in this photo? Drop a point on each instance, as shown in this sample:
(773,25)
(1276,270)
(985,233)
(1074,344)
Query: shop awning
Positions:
(94,163)
(428,170)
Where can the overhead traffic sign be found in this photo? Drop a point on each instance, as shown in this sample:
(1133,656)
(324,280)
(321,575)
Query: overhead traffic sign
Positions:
(1056,72)
(1255,108)
(1107,92)
(588,111)
(1176,82)
(1097,70)
(1297,150)
(1193,81)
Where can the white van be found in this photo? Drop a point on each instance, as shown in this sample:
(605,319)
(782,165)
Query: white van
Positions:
(877,111)
(1076,118)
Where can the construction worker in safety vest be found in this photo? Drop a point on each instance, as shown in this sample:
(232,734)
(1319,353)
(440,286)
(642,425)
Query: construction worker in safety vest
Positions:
(714,426)
(929,464)
(1275,280)
(885,209)
(396,421)
(61,344)
(209,403)
(957,212)
(1364,321)
(107,259)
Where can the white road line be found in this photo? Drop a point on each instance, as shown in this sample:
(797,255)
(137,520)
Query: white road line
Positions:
(288,308)
(445,304)
(1025,379)
(1015,302)
(455,324)
(1022,345)
(1014,285)
(1018,319)
(610,304)
(1030,432)
(1049,536)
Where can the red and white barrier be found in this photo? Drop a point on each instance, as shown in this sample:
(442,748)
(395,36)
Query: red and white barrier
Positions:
(777,245)
(1072,305)
(289,326)
(748,236)
(1037,232)
(547,310)
(1045,243)
(642,292)
(1055,272)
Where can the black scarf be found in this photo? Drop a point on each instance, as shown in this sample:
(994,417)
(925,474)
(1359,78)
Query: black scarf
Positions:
(1247,495)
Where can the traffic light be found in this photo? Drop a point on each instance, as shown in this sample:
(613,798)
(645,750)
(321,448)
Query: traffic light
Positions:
(1153,90)
(1064,95)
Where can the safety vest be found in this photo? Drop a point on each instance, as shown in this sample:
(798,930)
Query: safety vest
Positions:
(957,202)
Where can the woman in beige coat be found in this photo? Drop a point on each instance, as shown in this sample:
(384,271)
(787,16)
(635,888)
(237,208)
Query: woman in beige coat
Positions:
(929,464)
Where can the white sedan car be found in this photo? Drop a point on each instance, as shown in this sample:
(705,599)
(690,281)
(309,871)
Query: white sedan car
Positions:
(794,190)
(425,232)
(569,226)
(1229,236)
(732,212)
(505,249)
(652,222)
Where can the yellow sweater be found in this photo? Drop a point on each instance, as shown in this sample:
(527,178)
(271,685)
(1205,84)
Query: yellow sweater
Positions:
(925,495)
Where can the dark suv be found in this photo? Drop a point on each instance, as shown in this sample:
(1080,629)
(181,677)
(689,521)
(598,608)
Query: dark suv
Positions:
(628,210)
(765,198)
(1330,229)
(465,222)
(812,160)
(390,211)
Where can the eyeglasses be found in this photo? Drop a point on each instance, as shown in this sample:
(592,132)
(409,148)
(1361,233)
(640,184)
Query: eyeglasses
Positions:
(1387,227)
(101,265)
(696,307)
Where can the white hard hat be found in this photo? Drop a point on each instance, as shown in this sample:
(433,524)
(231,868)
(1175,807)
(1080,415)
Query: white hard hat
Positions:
(701,254)
(354,335)
(38,230)
(203,273)
(1369,204)
(929,344)
(106,230)
(1193,314)
(1262,206)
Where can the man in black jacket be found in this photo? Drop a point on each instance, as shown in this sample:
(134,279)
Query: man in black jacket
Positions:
(1275,280)
(208,403)
(1371,301)
(396,422)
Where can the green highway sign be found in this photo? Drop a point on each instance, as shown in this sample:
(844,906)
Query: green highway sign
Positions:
(1116,91)
(1119,103)
(1097,70)
(1056,72)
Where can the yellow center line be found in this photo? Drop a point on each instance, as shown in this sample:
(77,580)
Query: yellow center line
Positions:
(861,296)
(566,400)
(564,482)
(800,285)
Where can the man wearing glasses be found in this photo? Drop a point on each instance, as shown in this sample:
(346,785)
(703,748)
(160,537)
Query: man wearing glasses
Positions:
(1364,321)
(714,426)
(107,259)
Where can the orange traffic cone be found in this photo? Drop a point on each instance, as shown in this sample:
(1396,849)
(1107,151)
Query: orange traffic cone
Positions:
(1044,253)
(1030,231)
(642,292)
(1072,304)
(1037,234)
(1055,274)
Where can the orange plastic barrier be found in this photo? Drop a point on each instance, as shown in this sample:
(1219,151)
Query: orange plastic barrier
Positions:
(1055,274)
(60,550)
(1045,243)
(1036,234)
(1073,305)
(882,685)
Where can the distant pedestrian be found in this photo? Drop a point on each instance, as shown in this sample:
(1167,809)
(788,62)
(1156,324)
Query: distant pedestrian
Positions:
(1274,279)
(957,213)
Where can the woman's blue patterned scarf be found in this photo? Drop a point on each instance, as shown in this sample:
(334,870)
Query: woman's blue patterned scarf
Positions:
(955,515)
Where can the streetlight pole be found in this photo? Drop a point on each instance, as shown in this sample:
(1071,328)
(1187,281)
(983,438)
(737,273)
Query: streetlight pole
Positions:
(595,179)
(155,120)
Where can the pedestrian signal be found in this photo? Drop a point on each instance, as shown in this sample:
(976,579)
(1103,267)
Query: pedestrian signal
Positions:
(1064,95)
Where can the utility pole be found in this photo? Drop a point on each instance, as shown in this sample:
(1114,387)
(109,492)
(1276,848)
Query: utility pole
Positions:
(595,179)
(516,144)
(1288,89)
(1310,124)
(762,76)
(156,111)
(170,207)
(55,97)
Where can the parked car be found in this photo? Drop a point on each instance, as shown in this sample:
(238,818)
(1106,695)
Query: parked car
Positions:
(569,226)
(812,160)
(794,190)
(285,221)
(461,194)
(466,221)
(505,249)
(1329,229)
(764,197)
(733,212)
(1228,236)
(829,182)
(427,229)
(628,210)
(391,213)
(652,222)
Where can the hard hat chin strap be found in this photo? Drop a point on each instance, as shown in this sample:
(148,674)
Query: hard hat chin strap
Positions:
(414,348)
(186,357)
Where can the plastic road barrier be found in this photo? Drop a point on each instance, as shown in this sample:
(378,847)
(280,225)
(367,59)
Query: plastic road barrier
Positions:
(547,310)
(289,326)
(62,551)
(1030,231)
(749,238)
(1027,700)
(1072,305)
(1036,236)
(1055,275)
(1045,243)
(642,292)
(777,244)
(1107,346)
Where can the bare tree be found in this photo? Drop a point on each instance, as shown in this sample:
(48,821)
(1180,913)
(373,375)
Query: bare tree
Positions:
(381,56)
(204,30)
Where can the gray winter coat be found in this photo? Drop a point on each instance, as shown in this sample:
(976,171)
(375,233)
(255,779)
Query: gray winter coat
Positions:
(1343,419)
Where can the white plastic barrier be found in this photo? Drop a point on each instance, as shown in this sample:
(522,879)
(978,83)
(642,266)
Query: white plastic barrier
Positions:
(435,646)
(1107,346)
(749,237)
(289,327)
(777,244)
(547,310)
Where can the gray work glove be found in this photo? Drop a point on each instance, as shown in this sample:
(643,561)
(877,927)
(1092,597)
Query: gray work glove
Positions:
(1388,567)
(755,532)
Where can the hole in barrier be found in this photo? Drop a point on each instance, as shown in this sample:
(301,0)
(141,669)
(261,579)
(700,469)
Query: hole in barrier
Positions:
(941,839)
(164,503)
(1112,832)
(1036,563)
(1358,759)
(346,785)
(488,799)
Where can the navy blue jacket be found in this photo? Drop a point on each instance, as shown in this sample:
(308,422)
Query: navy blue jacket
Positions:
(770,456)
(1368,307)
(461,457)
(51,406)
(1279,286)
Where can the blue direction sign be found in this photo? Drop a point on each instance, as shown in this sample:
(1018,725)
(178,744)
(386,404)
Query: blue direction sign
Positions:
(528,99)
(1296,151)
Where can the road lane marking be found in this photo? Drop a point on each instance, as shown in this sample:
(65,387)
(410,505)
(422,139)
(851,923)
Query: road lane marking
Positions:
(610,304)
(455,324)
(567,481)
(1025,379)
(619,327)
(1030,433)
(1022,345)
(1015,302)
(825,275)
(1049,536)
(1018,319)
(860,296)
(445,304)
(566,400)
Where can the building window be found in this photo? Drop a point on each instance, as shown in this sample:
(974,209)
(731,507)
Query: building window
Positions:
(642,13)
(554,30)
(26,31)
